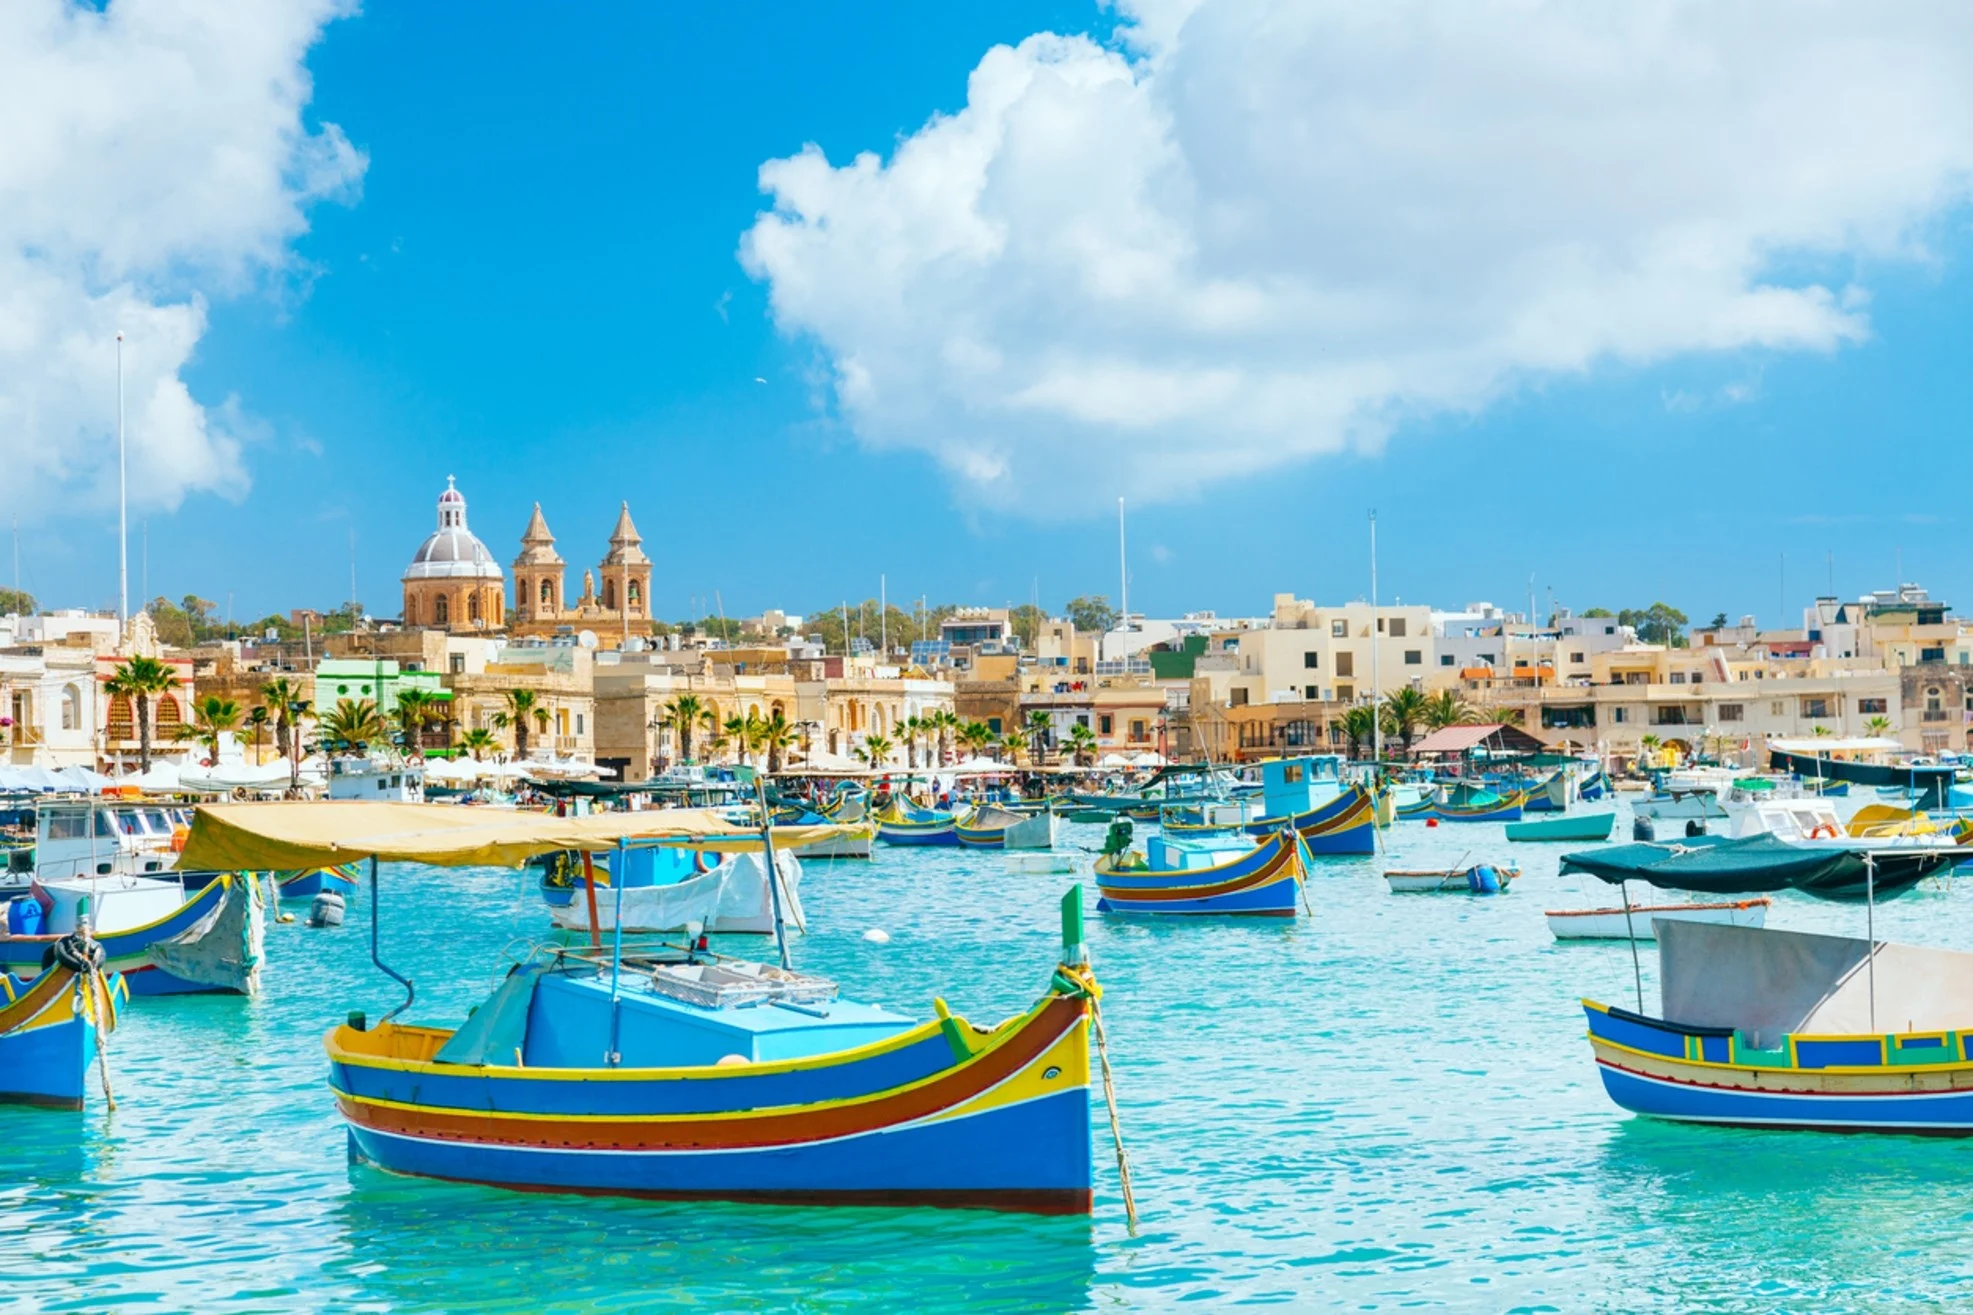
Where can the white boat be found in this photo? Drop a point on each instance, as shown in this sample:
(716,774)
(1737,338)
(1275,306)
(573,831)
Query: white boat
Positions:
(1611,924)
(1454,881)
(854,845)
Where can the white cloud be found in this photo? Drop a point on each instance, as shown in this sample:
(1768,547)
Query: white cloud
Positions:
(1271,229)
(154,156)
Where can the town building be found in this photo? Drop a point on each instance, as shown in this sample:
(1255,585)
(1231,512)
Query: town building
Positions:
(614,604)
(453,582)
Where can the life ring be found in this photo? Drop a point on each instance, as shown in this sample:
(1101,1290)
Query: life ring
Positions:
(75,952)
(1822,831)
(179,835)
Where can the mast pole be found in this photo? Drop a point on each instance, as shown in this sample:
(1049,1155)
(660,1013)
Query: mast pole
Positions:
(122,504)
(1376,730)
(1123,584)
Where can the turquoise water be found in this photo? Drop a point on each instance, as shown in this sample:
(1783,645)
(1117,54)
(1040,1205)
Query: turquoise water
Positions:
(1388,1105)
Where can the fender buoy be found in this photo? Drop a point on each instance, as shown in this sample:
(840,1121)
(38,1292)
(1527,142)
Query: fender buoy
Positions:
(75,952)
(1822,831)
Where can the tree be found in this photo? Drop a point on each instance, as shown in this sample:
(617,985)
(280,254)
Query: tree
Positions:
(1719,621)
(1600,612)
(943,723)
(1818,729)
(212,717)
(352,726)
(1878,725)
(140,680)
(479,742)
(909,732)
(682,715)
(875,750)
(1026,621)
(523,706)
(257,727)
(284,696)
(1404,712)
(974,737)
(1445,708)
(1082,744)
(1040,726)
(1357,724)
(1660,623)
(778,735)
(16,602)
(415,709)
(1092,614)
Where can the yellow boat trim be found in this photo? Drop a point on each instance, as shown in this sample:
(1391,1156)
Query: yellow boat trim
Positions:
(1843,1070)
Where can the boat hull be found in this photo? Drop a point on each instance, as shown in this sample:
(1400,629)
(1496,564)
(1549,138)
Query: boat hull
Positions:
(1460,882)
(1260,883)
(210,944)
(911,833)
(1610,924)
(317,881)
(50,1028)
(1590,826)
(1699,1075)
(1345,825)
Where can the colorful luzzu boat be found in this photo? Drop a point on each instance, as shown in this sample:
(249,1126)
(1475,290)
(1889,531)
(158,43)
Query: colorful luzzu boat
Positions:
(992,827)
(51,1025)
(1309,796)
(678,1074)
(1483,808)
(1175,878)
(904,823)
(207,942)
(310,882)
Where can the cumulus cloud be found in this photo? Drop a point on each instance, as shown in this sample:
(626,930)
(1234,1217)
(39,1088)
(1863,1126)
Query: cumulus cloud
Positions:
(153,155)
(1250,232)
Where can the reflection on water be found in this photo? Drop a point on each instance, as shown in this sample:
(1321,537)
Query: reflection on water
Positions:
(1388,1104)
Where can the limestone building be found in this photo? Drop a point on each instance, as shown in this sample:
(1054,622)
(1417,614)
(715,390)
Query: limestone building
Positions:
(615,598)
(453,583)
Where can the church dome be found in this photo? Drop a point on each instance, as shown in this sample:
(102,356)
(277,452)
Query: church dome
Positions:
(453,552)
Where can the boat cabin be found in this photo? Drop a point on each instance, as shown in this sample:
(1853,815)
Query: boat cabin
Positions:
(365,778)
(91,838)
(1291,786)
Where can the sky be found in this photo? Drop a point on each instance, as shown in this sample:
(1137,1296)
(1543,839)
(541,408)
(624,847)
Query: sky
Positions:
(1616,303)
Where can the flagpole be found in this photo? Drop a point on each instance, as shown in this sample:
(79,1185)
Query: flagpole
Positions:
(122,505)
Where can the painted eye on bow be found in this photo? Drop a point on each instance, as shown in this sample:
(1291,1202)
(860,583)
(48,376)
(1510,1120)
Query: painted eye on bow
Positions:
(1051,1072)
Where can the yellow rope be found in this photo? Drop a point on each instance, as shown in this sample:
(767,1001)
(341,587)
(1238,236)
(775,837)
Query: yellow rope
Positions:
(1116,1129)
(99,998)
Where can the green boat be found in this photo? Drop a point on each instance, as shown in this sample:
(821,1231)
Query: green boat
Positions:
(1581,826)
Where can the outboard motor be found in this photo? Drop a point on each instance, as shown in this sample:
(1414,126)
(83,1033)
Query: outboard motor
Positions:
(1641,829)
(326,911)
(1695,826)
(1119,837)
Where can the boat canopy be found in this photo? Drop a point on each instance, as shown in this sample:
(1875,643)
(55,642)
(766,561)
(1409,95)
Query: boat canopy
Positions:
(1715,865)
(288,836)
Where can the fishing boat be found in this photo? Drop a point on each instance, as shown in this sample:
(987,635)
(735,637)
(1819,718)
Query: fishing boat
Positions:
(51,1025)
(1832,759)
(904,823)
(163,942)
(1571,826)
(1483,807)
(563,874)
(1616,925)
(855,831)
(669,1072)
(310,882)
(1309,796)
(1763,864)
(991,826)
(1479,879)
(1552,794)
(1184,878)
(1765,1028)
(1205,819)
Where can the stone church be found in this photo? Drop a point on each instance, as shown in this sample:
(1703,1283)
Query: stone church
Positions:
(615,597)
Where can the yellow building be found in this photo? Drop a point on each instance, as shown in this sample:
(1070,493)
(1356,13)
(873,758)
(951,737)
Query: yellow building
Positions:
(615,598)
(453,583)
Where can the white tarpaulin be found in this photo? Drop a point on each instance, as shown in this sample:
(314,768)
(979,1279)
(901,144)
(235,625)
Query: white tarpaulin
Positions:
(733,897)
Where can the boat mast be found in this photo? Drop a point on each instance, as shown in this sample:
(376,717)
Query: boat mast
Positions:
(1376,731)
(1123,585)
(122,505)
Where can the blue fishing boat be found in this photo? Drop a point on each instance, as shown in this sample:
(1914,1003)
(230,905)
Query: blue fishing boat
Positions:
(310,882)
(52,1024)
(1309,796)
(1189,878)
(904,823)
(671,1072)
(1481,806)
(562,873)
(162,941)
(991,826)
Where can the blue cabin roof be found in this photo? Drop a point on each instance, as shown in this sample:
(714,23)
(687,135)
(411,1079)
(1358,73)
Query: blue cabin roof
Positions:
(1296,785)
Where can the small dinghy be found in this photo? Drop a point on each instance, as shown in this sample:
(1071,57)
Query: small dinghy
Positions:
(1479,879)
(1611,924)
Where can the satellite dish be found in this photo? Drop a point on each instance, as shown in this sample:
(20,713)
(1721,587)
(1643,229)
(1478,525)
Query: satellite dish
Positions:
(587,639)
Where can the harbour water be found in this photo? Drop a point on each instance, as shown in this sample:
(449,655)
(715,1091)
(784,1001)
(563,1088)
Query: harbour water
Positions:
(1387,1105)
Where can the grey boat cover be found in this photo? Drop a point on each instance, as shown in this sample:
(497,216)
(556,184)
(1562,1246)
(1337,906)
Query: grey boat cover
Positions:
(1767,983)
(1716,865)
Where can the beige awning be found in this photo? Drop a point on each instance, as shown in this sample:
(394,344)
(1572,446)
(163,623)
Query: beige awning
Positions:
(290,835)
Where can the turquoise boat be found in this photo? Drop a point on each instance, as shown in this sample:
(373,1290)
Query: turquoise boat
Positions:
(51,1025)
(1310,797)
(904,823)
(1578,826)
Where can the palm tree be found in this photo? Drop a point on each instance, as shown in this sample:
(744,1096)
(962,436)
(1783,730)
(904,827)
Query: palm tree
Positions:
(974,736)
(1082,744)
(523,706)
(1039,725)
(139,680)
(257,727)
(212,716)
(875,750)
(1443,709)
(1358,723)
(415,708)
(682,715)
(1404,711)
(1818,729)
(943,722)
(351,726)
(282,694)
(1011,745)
(778,734)
(1878,725)
(1648,744)
(479,742)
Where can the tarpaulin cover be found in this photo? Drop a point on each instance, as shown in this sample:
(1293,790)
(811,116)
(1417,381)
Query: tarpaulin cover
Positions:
(292,835)
(1716,865)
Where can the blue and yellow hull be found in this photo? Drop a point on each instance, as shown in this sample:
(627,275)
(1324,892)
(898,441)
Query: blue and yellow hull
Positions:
(941,1114)
(311,882)
(943,831)
(1345,825)
(50,1028)
(1919,1083)
(128,951)
(1261,883)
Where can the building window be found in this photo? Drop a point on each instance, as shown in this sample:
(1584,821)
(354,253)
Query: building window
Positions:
(1815,707)
(473,607)
(441,610)
(1575,659)
(1620,714)
(1868,707)
(1137,731)
(1105,724)
(71,708)
(1733,712)
(1777,709)
(609,592)
(1346,663)
(1311,692)
(1932,703)
(1445,659)
(1339,629)
(634,594)
(1311,661)
(1397,627)
(1678,678)
(1344,693)
(456,663)
(1931,655)
(547,594)
(1237,697)
(1414,657)
(578,723)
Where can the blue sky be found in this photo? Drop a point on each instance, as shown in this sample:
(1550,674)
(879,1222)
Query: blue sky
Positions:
(539,289)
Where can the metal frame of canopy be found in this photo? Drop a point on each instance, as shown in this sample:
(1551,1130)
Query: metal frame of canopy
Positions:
(281,836)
